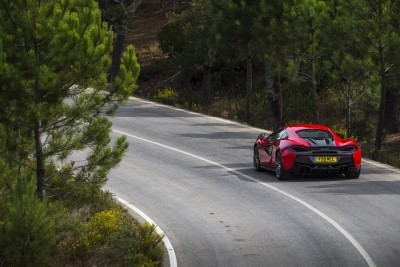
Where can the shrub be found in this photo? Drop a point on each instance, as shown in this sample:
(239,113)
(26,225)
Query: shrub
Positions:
(167,96)
(150,240)
(111,237)
(76,194)
(27,232)
(102,226)
(343,131)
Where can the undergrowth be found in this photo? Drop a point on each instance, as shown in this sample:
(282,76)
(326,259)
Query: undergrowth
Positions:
(79,225)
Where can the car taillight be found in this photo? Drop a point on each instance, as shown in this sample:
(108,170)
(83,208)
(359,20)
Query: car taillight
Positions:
(298,149)
(349,149)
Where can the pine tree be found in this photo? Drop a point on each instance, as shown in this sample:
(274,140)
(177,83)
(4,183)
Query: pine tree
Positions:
(185,38)
(276,39)
(117,14)
(54,57)
(234,35)
(354,86)
(378,31)
(27,234)
(310,19)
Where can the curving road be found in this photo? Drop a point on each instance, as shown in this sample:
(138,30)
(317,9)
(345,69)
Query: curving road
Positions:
(193,175)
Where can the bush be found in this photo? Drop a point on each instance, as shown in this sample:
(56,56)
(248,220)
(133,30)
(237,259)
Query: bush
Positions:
(93,230)
(78,225)
(27,232)
(167,96)
(343,132)
(76,194)
(112,238)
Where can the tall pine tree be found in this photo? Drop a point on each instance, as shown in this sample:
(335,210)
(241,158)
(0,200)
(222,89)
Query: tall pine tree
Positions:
(310,19)
(235,36)
(53,87)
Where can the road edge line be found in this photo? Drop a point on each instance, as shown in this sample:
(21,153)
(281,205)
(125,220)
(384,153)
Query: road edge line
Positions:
(170,249)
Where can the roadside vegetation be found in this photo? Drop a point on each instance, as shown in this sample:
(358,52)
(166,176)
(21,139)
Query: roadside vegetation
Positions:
(55,144)
(271,63)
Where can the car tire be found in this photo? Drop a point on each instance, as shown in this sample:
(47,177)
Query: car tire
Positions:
(353,174)
(281,174)
(256,160)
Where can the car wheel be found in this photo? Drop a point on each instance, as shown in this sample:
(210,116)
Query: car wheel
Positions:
(353,174)
(281,174)
(256,160)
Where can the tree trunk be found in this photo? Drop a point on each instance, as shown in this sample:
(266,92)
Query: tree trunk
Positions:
(40,170)
(116,54)
(314,93)
(391,122)
(314,78)
(280,121)
(270,94)
(348,111)
(206,83)
(315,99)
(380,133)
(249,83)
(295,102)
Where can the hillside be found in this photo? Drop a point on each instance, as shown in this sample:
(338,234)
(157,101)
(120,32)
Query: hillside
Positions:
(148,21)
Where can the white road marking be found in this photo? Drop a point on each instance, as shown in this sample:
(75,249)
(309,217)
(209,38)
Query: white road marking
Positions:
(346,234)
(171,252)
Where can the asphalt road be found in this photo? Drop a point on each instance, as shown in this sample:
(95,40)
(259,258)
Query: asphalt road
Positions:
(193,176)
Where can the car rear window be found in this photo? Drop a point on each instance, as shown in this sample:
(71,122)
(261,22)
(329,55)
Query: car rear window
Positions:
(314,134)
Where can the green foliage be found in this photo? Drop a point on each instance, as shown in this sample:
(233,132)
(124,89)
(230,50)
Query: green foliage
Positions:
(92,229)
(56,56)
(97,231)
(108,237)
(107,228)
(334,62)
(233,25)
(75,194)
(185,36)
(149,248)
(171,37)
(27,232)
(167,96)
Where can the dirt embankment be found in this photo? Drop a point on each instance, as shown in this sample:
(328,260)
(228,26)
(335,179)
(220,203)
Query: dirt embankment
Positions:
(147,22)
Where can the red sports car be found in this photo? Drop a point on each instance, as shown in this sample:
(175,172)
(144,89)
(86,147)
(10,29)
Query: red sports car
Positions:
(305,149)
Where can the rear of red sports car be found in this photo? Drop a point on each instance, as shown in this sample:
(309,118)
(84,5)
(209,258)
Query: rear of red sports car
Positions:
(308,149)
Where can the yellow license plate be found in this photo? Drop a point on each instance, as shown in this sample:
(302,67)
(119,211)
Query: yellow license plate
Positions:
(326,159)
